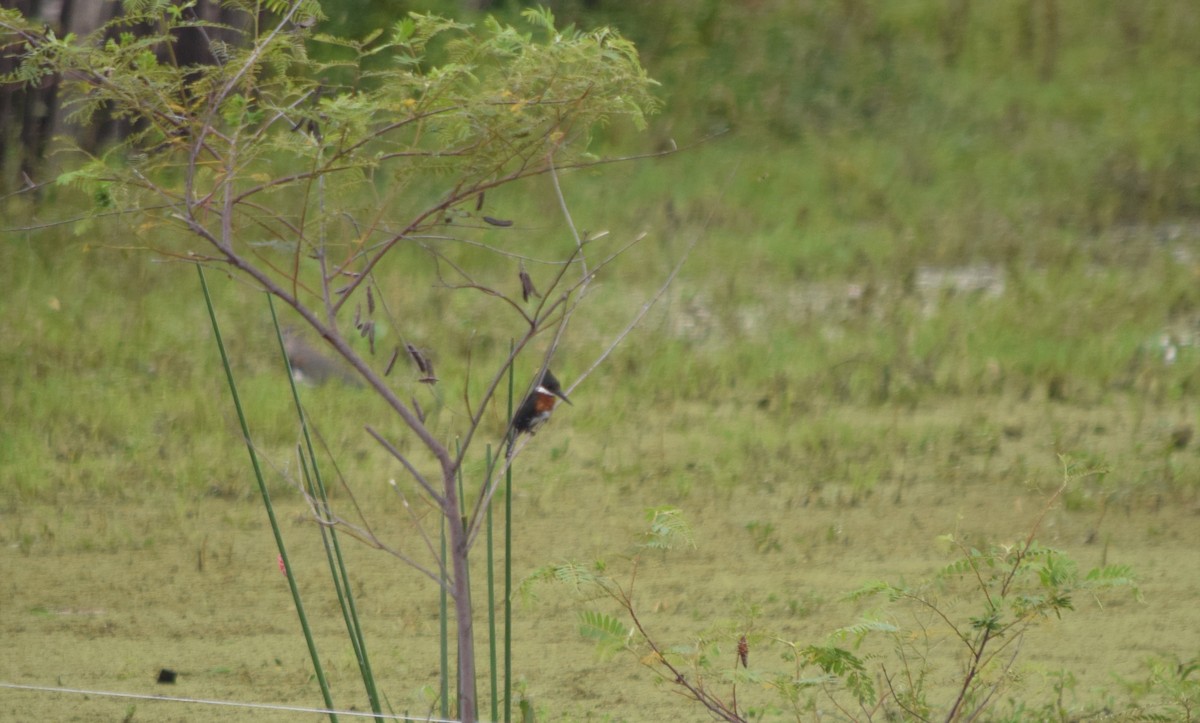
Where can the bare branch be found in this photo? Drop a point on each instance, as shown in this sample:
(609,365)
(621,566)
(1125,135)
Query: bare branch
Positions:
(367,538)
(416,522)
(416,474)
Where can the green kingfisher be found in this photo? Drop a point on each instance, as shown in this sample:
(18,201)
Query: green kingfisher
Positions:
(536,408)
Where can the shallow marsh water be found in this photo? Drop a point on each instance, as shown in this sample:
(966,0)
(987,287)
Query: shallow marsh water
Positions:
(101,594)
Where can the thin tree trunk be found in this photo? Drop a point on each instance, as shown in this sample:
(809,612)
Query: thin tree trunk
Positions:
(461,590)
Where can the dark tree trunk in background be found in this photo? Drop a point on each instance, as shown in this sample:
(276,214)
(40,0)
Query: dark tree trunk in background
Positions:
(26,114)
(103,128)
(41,110)
(8,103)
(31,115)
(34,107)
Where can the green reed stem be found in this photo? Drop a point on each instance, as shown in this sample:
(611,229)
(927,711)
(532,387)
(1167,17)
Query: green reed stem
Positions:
(262,487)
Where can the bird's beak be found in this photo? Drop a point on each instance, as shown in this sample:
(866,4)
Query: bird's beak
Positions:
(563,397)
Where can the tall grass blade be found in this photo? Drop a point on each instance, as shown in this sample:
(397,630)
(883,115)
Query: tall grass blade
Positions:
(333,551)
(341,580)
(262,487)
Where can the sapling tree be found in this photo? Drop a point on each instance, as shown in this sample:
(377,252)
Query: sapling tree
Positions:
(302,163)
(987,599)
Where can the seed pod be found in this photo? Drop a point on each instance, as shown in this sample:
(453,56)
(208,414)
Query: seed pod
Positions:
(430,377)
(419,357)
(527,288)
(501,222)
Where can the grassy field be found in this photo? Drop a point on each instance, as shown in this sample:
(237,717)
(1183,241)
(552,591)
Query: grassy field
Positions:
(938,261)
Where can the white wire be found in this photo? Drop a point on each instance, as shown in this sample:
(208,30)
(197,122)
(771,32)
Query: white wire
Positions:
(229,703)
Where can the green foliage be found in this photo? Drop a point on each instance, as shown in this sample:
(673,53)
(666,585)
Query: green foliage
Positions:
(609,633)
(987,599)
(298,176)
(844,666)
(269,120)
(578,577)
(981,160)
(1169,692)
(668,529)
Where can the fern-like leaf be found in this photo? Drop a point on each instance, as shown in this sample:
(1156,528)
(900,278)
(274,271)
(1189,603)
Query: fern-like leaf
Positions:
(609,633)
(668,529)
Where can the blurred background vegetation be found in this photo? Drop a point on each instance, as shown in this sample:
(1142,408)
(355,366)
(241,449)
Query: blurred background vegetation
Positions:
(941,243)
(898,202)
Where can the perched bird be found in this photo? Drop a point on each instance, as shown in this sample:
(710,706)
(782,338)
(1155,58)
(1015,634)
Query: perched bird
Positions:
(536,408)
(310,366)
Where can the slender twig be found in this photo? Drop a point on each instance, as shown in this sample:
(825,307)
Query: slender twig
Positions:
(899,700)
(995,687)
(637,318)
(420,527)
(978,659)
(696,690)
(416,474)
(562,204)
(371,540)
